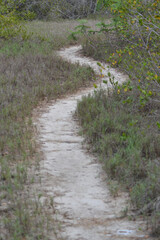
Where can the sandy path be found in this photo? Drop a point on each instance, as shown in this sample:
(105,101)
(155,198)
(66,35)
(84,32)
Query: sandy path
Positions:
(75,179)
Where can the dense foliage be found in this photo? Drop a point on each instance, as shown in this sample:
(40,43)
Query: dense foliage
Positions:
(51,8)
(137,27)
(12,14)
(9,25)
(74,8)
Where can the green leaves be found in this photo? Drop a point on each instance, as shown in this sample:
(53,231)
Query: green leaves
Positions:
(137,25)
(80,29)
(140,22)
(95,85)
(157,17)
(102,4)
(158,125)
(114,4)
(9,21)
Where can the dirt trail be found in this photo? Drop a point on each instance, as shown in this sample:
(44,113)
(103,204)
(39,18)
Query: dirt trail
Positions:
(75,179)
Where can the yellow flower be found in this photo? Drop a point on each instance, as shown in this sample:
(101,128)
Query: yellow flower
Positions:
(118,91)
(125,89)
(157,17)
(114,62)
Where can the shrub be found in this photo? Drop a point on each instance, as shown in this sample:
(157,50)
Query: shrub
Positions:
(132,43)
(74,9)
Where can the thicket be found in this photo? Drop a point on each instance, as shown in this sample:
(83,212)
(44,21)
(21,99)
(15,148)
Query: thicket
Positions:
(124,127)
(132,43)
(9,24)
(74,9)
(49,9)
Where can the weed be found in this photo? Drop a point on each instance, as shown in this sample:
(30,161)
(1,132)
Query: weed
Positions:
(113,187)
(124,212)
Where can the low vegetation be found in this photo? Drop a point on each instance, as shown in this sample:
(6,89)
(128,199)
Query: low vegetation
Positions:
(124,126)
(128,145)
(30,72)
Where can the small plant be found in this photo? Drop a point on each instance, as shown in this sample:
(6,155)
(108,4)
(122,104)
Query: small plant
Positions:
(79,30)
(124,212)
(113,187)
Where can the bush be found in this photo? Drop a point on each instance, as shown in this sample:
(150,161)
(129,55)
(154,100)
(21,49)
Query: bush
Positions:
(132,43)
(38,8)
(9,24)
(73,9)
(55,8)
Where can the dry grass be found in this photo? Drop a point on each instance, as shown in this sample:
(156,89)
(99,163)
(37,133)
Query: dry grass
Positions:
(29,73)
(57,32)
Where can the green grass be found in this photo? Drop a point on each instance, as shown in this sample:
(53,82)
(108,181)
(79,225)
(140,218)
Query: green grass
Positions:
(30,72)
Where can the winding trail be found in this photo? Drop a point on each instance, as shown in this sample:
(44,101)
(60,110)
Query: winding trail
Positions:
(74,178)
